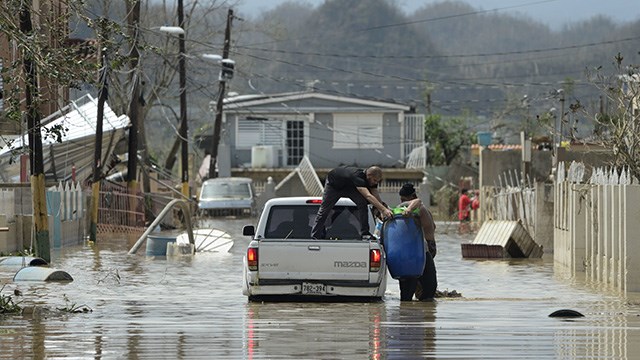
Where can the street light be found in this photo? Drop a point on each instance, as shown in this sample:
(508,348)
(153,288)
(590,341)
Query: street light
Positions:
(184,133)
(174,30)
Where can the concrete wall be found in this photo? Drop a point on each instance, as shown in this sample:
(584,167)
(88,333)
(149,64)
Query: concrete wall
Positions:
(543,220)
(596,233)
(494,164)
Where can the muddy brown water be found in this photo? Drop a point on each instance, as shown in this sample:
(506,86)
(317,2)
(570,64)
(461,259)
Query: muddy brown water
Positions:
(147,308)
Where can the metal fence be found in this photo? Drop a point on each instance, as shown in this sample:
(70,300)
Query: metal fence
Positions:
(119,210)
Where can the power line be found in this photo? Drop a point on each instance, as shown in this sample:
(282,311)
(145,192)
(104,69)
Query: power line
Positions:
(450,56)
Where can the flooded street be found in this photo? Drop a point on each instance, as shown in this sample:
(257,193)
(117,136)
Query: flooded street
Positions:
(192,307)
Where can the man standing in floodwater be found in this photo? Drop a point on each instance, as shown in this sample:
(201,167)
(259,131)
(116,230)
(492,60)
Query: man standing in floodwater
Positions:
(425,286)
(361,186)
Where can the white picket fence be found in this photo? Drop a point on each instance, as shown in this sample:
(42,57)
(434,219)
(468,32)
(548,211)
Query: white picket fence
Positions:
(597,227)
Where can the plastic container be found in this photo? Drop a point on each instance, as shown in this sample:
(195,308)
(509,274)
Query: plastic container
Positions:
(41,273)
(157,242)
(485,138)
(404,246)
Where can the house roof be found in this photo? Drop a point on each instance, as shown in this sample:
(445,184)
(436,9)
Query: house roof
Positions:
(278,102)
(79,120)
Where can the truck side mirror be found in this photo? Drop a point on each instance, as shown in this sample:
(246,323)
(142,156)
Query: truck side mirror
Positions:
(248,230)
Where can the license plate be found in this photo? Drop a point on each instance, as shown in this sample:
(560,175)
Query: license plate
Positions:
(313,289)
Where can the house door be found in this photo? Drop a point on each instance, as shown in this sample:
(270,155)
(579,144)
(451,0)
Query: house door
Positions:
(294,142)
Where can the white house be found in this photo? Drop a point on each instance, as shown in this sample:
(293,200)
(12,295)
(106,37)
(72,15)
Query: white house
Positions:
(277,130)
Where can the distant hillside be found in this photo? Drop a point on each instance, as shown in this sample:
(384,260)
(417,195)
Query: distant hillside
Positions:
(485,63)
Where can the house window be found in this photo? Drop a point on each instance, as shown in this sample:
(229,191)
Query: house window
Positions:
(295,141)
(262,131)
(357,131)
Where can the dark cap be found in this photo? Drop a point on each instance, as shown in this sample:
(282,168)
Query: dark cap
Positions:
(407,190)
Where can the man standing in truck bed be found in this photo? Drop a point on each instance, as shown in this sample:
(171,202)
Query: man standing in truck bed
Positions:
(361,186)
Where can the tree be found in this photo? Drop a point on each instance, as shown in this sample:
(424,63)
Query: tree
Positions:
(45,64)
(619,127)
(445,138)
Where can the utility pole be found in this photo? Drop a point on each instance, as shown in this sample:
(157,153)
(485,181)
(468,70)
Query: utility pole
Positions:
(133,20)
(40,218)
(184,133)
(222,80)
(97,157)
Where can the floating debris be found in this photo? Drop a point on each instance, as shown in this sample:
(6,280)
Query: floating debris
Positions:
(566,313)
(447,294)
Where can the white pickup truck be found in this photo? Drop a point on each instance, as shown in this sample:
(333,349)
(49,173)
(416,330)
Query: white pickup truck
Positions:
(282,259)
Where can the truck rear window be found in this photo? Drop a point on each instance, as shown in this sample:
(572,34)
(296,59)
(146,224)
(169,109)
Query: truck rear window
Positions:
(295,222)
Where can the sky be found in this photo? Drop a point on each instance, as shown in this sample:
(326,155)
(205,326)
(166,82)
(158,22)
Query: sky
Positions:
(554,13)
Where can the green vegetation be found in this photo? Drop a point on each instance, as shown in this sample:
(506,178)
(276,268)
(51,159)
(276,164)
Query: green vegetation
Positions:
(446,138)
(7,305)
(73,307)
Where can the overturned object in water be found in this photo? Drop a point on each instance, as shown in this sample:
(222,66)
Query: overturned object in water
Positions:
(502,239)
(157,242)
(41,273)
(22,261)
(566,313)
(175,249)
(208,240)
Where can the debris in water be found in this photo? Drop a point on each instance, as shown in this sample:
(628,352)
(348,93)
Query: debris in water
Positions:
(447,294)
(567,313)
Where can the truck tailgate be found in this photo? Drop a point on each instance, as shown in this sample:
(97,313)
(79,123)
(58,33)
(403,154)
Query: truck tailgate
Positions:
(314,260)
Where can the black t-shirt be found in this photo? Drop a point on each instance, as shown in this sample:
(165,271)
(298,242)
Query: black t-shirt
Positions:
(347,176)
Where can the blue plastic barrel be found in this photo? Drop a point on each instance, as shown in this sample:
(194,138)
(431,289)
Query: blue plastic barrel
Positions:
(157,242)
(404,246)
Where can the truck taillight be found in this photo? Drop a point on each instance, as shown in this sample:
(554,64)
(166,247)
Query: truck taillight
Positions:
(375,258)
(252,259)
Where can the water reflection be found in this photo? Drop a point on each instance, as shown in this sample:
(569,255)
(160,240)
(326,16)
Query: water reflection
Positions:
(409,331)
(314,330)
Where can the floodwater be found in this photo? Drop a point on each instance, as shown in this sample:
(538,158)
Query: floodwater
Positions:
(192,307)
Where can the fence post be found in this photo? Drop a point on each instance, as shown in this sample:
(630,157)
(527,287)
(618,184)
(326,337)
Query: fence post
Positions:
(53,208)
(601,234)
(423,190)
(631,230)
(594,232)
(578,219)
(621,240)
(614,265)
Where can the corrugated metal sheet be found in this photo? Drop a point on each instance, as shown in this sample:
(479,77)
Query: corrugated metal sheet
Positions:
(79,119)
(509,236)
(75,147)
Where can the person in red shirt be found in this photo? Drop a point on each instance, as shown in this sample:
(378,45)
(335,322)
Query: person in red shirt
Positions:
(464,206)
